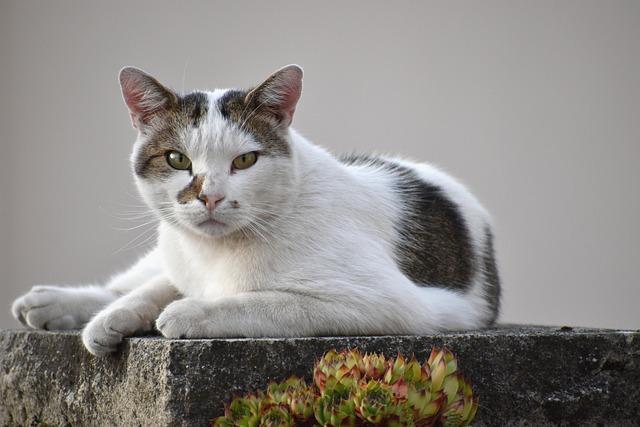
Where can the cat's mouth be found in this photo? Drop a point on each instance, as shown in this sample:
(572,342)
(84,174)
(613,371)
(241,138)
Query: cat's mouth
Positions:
(210,222)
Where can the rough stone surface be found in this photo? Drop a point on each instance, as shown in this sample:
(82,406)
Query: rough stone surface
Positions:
(524,375)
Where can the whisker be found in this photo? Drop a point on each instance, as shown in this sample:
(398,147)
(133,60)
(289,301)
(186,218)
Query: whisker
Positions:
(140,237)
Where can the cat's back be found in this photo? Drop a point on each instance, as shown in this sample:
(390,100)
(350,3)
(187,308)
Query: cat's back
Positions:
(443,234)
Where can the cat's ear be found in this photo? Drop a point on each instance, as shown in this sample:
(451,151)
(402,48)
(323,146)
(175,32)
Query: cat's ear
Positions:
(279,93)
(145,96)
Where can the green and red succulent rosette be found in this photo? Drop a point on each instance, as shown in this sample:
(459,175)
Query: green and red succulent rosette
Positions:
(354,389)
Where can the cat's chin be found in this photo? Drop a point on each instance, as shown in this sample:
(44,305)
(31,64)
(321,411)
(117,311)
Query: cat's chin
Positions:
(209,223)
(206,228)
(211,227)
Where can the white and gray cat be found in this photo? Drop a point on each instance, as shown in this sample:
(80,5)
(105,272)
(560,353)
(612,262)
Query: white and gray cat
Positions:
(262,233)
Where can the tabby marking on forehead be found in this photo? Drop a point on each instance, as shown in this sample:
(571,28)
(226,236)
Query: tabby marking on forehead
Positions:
(193,107)
(250,118)
(165,135)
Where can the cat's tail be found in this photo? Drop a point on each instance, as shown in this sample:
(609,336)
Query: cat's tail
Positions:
(448,309)
(476,307)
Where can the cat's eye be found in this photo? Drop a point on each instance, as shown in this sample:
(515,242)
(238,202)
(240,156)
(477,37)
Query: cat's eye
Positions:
(245,160)
(177,160)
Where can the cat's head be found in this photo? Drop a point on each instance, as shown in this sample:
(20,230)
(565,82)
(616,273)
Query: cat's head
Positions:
(214,163)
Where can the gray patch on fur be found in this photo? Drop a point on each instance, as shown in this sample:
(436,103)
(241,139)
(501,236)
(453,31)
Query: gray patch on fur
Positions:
(150,161)
(193,107)
(192,190)
(434,248)
(492,279)
(163,134)
(257,121)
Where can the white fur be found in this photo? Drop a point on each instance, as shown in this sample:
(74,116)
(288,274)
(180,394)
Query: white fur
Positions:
(326,266)
(131,313)
(56,307)
(476,217)
(308,252)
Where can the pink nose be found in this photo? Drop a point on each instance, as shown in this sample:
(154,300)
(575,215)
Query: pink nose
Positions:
(211,200)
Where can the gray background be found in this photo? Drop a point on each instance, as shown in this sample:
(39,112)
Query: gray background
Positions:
(535,105)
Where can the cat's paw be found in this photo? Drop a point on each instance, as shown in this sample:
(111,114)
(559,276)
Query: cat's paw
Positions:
(56,307)
(106,331)
(185,318)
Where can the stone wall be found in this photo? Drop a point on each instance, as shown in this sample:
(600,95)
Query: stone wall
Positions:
(523,375)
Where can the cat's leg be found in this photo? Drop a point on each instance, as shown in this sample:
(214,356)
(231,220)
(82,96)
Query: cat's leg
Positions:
(278,313)
(59,307)
(131,313)
(146,268)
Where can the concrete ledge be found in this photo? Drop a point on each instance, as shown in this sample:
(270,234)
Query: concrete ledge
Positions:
(524,375)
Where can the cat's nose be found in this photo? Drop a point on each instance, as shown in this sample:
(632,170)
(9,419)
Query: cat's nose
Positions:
(211,200)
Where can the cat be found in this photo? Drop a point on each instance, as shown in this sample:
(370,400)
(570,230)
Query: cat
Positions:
(264,234)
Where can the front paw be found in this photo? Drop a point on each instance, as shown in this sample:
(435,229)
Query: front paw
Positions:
(185,318)
(46,307)
(105,332)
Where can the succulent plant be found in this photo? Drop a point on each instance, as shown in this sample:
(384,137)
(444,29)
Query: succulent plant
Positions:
(334,368)
(462,407)
(281,392)
(301,403)
(374,402)
(242,412)
(276,415)
(374,366)
(352,389)
(332,410)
